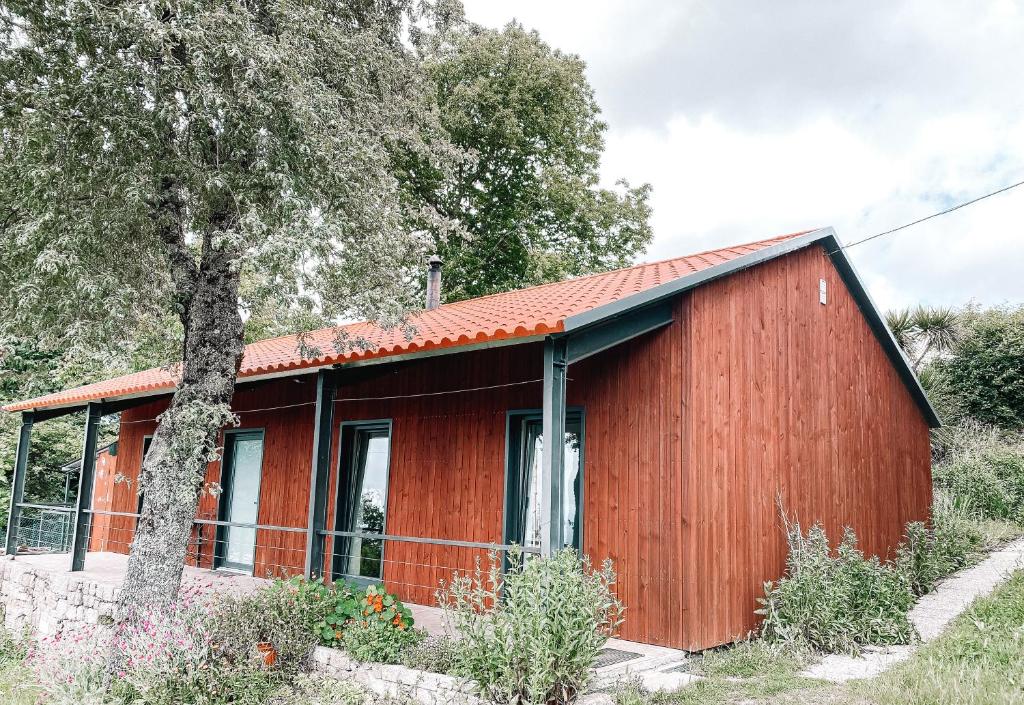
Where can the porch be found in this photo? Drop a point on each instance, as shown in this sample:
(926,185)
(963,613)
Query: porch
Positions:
(405,472)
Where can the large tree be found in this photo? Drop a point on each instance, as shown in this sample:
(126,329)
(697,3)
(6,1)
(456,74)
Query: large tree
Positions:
(152,152)
(530,198)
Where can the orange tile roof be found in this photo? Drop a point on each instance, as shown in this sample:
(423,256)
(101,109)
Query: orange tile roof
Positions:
(534,311)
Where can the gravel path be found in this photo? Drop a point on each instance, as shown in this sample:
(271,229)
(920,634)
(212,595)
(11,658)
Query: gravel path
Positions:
(930,616)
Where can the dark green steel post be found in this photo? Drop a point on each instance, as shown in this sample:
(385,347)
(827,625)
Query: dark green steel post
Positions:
(18,482)
(326,384)
(553,451)
(83,505)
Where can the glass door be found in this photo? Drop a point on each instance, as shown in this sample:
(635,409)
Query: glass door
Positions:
(240,485)
(523,490)
(362,500)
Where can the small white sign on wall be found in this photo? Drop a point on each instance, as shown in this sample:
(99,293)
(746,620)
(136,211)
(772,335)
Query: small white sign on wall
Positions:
(822,292)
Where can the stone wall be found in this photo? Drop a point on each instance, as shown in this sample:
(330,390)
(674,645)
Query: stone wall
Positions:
(48,603)
(394,681)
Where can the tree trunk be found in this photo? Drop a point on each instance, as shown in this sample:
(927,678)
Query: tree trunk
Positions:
(185,441)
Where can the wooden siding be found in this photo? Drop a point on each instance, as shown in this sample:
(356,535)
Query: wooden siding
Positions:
(792,400)
(754,391)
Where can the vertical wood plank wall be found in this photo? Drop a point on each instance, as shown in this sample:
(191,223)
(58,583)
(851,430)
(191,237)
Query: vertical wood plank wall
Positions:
(691,433)
(787,398)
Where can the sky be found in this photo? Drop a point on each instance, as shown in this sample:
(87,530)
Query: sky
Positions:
(753,119)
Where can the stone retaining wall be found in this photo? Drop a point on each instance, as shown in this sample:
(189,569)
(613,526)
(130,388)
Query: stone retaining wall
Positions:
(49,603)
(394,681)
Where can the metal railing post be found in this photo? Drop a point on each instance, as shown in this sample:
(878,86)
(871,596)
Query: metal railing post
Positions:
(18,482)
(83,505)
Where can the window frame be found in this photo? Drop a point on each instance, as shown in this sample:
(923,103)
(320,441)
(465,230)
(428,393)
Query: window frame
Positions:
(343,473)
(514,440)
(225,498)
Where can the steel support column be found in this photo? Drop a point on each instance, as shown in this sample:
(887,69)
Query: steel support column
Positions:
(83,505)
(18,482)
(553,452)
(323,426)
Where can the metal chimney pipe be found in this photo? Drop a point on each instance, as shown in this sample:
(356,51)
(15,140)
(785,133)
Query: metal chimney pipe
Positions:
(434,282)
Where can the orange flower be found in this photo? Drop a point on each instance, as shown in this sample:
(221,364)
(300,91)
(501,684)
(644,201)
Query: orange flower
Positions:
(397,621)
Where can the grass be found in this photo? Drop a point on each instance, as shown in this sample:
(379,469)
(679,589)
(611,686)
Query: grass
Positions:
(17,686)
(980,659)
(748,671)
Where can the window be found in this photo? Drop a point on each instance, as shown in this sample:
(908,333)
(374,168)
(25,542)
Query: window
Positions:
(523,479)
(362,500)
(241,473)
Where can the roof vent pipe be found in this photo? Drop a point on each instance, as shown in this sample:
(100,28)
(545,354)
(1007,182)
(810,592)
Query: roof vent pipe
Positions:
(434,283)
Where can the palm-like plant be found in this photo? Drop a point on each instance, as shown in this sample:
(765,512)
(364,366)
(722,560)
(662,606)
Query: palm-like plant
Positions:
(923,330)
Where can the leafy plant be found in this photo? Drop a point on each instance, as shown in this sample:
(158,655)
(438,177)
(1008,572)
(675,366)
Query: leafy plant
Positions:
(532,634)
(932,551)
(983,472)
(982,376)
(274,614)
(331,611)
(437,654)
(327,608)
(835,603)
(378,641)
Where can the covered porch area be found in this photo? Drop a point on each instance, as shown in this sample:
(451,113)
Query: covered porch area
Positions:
(403,471)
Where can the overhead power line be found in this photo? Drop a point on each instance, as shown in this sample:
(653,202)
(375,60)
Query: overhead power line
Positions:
(934,215)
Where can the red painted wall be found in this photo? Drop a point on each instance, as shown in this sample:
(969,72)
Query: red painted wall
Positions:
(754,391)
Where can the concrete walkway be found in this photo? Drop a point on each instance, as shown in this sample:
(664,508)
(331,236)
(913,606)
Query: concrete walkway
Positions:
(930,616)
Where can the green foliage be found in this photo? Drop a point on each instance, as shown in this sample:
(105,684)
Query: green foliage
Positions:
(274,614)
(378,641)
(982,378)
(982,472)
(529,198)
(977,660)
(930,552)
(133,149)
(835,603)
(371,624)
(12,649)
(923,331)
(322,690)
(327,608)
(532,634)
(437,654)
(749,658)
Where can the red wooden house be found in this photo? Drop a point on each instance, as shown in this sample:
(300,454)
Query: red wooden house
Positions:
(691,394)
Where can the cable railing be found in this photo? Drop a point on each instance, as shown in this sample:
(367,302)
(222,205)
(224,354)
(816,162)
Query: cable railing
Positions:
(415,565)
(412,566)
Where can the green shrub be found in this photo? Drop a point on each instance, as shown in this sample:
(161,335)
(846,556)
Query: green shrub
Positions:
(273,614)
(12,649)
(982,471)
(835,603)
(331,610)
(327,607)
(532,635)
(378,641)
(931,552)
(436,654)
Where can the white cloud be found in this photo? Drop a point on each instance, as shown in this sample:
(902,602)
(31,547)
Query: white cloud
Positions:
(750,122)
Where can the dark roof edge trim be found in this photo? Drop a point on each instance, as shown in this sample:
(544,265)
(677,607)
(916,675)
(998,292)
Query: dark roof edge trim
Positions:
(842,263)
(826,237)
